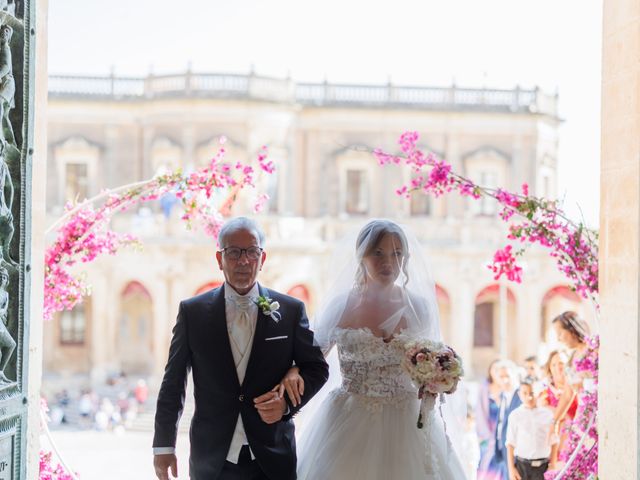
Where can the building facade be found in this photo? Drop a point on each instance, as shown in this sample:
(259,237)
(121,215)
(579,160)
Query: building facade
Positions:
(104,132)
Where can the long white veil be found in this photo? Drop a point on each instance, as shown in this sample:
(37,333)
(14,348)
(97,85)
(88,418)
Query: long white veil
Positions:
(412,298)
(409,305)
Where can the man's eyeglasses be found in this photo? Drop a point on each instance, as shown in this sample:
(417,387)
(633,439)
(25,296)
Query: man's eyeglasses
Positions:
(234,253)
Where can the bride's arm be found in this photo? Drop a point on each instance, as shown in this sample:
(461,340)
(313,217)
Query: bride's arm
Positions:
(564,403)
(293,383)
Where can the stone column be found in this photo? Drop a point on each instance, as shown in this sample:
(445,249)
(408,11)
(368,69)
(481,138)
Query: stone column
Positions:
(462,309)
(169,291)
(620,235)
(162,326)
(526,334)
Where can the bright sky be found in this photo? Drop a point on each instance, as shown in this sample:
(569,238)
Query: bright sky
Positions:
(555,44)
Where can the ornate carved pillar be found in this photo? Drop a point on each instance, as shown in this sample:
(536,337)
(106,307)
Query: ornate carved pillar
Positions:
(17,92)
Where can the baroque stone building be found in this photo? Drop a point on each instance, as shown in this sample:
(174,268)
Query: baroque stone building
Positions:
(108,131)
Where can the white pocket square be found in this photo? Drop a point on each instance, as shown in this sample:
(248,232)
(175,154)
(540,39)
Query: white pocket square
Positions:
(281,337)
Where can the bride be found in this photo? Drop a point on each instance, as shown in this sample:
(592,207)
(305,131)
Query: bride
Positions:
(366,428)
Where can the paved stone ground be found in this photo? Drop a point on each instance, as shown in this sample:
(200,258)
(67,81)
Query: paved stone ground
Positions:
(128,456)
(109,456)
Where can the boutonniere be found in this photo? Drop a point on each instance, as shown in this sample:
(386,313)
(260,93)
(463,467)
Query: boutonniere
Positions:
(269,307)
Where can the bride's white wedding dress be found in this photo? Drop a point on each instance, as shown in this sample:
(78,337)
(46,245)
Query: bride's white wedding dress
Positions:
(366,429)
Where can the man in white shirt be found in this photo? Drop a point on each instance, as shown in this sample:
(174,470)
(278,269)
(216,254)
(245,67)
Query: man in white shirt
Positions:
(529,448)
(239,340)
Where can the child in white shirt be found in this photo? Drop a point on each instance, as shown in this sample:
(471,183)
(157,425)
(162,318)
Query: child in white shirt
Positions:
(529,447)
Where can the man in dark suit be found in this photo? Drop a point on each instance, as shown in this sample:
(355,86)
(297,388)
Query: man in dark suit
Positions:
(509,401)
(239,340)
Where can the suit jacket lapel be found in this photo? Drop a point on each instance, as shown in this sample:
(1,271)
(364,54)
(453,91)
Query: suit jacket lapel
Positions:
(218,315)
(258,338)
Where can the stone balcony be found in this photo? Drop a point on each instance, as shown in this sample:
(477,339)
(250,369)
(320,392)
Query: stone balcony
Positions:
(285,90)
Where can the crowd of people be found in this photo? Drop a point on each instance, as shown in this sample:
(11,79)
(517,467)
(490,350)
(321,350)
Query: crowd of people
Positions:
(114,407)
(524,415)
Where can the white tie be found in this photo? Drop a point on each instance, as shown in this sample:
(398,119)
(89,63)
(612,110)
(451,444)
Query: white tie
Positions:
(241,327)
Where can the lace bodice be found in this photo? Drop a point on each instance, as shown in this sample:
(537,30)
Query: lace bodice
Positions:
(371,367)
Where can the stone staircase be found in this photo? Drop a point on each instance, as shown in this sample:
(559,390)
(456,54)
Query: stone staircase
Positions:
(144,421)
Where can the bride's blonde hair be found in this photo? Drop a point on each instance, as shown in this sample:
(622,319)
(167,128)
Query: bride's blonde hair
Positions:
(369,238)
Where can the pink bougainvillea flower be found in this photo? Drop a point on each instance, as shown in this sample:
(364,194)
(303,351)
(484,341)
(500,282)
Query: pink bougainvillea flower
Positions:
(85,234)
(541,222)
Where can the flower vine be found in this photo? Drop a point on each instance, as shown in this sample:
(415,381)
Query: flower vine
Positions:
(539,221)
(84,232)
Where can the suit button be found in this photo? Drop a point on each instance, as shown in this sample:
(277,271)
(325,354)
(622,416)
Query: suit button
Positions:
(241,398)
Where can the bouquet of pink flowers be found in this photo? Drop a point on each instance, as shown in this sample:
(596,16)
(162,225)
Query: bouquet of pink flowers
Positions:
(434,368)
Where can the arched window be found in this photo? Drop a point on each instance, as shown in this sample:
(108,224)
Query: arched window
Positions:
(355,173)
(77,162)
(73,324)
(486,316)
(356,191)
(489,167)
(420,204)
(488,341)
(483,331)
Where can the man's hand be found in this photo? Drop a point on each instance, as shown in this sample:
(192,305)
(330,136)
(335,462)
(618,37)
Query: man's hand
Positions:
(271,406)
(164,462)
(513,474)
(293,383)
